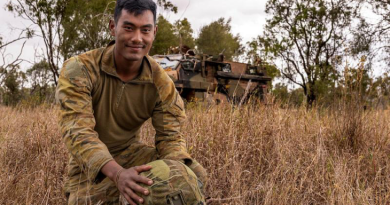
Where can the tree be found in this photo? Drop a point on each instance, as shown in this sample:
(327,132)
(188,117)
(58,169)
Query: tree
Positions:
(381,91)
(169,35)
(382,8)
(40,80)
(217,37)
(12,86)
(47,16)
(85,26)
(305,35)
(371,38)
(184,32)
(167,5)
(165,37)
(10,63)
(286,97)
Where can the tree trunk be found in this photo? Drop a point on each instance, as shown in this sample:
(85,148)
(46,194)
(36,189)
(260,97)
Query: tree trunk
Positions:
(311,97)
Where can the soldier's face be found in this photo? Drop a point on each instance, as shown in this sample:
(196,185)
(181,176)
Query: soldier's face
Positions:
(134,35)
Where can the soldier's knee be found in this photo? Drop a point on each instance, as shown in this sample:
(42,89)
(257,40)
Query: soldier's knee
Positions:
(173,184)
(199,170)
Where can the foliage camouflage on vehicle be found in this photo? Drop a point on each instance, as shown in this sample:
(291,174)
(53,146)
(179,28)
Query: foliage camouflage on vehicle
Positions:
(204,77)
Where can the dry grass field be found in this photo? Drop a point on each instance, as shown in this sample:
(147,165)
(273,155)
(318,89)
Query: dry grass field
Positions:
(254,155)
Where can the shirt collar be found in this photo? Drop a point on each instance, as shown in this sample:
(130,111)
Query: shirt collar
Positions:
(108,66)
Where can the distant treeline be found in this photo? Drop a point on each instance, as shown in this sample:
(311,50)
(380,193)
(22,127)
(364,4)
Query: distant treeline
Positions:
(320,51)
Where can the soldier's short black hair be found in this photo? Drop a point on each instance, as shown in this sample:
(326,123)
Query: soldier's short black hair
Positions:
(135,7)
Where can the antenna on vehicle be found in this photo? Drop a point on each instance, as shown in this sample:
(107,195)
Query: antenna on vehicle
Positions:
(221,56)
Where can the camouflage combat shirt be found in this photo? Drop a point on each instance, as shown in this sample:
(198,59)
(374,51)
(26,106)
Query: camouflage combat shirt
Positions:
(101,115)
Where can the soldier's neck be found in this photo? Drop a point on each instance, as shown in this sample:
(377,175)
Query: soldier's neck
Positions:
(127,70)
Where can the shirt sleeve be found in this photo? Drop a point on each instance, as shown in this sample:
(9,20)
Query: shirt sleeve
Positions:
(168,117)
(77,121)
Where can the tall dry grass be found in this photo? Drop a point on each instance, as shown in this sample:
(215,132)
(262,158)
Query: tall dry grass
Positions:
(33,158)
(254,155)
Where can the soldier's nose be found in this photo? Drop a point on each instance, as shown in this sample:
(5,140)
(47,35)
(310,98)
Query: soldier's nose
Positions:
(137,37)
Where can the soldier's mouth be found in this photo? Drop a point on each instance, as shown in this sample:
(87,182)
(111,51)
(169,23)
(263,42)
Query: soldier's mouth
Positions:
(135,46)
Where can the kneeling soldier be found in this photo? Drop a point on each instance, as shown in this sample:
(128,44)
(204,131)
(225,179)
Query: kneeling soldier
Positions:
(105,96)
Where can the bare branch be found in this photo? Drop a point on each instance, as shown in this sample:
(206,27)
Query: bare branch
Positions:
(12,41)
(17,60)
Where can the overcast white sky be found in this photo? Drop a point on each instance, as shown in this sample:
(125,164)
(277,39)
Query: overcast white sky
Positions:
(248,16)
(248,19)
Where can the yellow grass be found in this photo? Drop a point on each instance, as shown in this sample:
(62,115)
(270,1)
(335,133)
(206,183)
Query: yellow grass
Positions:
(261,155)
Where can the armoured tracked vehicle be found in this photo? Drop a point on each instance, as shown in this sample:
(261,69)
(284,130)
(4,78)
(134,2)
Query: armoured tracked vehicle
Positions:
(203,77)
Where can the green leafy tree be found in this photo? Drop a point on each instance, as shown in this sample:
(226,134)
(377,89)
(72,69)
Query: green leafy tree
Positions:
(306,35)
(170,36)
(293,97)
(381,91)
(165,37)
(217,37)
(183,30)
(12,86)
(383,83)
(280,92)
(40,80)
(363,38)
(85,26)
(167,5)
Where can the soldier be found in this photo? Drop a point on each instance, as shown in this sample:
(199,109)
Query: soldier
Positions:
(105,96)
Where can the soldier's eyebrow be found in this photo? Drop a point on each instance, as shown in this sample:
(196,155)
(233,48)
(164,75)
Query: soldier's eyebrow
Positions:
(128,23)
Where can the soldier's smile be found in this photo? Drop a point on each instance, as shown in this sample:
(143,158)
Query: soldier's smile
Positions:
(135,48)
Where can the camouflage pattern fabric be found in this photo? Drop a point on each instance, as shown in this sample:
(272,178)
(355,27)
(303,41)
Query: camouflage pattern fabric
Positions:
(174,184)
(106,192)
(101,116)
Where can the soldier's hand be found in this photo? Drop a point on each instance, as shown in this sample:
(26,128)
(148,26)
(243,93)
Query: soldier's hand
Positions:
(128,181)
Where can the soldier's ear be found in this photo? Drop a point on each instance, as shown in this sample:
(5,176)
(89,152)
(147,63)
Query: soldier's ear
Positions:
(112,27)
(155,31)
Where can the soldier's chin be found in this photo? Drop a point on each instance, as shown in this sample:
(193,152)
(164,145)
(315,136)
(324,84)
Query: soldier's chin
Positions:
(134,57)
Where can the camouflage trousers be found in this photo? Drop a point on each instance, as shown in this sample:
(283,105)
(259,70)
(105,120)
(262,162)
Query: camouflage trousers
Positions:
(106,192)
